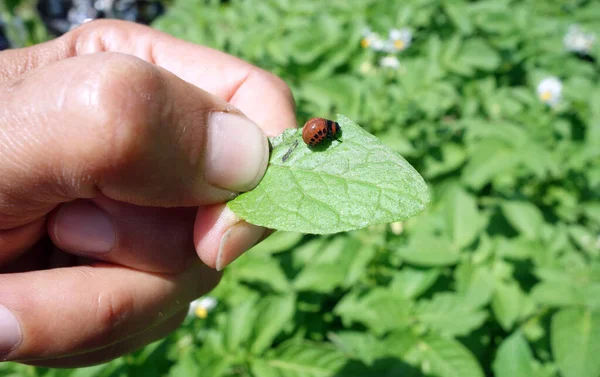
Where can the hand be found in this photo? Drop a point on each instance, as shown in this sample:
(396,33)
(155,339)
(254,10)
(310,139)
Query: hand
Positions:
(118,147)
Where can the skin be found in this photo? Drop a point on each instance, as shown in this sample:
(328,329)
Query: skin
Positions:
(113,117)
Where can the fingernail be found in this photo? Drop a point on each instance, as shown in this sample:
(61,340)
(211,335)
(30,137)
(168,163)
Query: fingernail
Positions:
(239,238)
(10,332)
(237,152)
(83,227)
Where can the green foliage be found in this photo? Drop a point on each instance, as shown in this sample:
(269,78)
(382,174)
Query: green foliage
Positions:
(514,357)
(500,276)
(22,25)
(350,184)
(576,342)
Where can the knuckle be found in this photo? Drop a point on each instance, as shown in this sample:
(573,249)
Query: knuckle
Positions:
(91,35)
(123,96)
(112,312)
(279,86)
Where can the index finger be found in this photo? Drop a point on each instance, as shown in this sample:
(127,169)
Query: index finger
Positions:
(262,96)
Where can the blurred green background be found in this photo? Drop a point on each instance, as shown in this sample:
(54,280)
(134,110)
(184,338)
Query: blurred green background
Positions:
(497,104)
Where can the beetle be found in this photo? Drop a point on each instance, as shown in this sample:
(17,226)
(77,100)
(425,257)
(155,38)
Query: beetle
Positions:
(318,129)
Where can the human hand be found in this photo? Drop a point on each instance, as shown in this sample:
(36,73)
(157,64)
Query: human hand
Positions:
(115,167)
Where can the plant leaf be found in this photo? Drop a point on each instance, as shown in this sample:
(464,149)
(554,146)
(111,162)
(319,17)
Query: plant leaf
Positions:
(258,269)
(411,282)
(523,216)
(299,360)
(380,309)
(277,242)
(575,339)
(429,250)
(448,314)
(276,312)
(350,184)
(239,325)
(321,278)
(462,218)
(506,304)
(362,346)
(514,357)
(448,358)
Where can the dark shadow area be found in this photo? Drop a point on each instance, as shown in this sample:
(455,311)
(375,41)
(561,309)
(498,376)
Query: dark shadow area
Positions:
(4,44)
(59,16)
(386,367)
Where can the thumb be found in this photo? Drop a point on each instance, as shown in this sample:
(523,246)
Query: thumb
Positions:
(115,125)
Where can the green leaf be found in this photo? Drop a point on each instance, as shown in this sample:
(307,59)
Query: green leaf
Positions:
(97,370)
(479,287)
(486,162)
(352,183)
(592,211)
(188,365)
(276,312)
(558,294)
(429,250)
(448,314)
(357,262)
(322,278)
(575,340)
(358,345)
(400,343)
(299,360)
(411,282)
(457,11)
(448,358)
(277,242)
(240,324)
(462,217)
(514,357)
(259,269)
(451,157)
(380,309)
(524,217)
(506,304)
(518,248)
(477,53)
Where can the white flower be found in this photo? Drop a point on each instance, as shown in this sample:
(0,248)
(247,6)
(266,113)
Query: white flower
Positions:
(397,228)
(549,91)
(577,40)
(378,44)
(371,40)
(389,61)
(399,40)
(202,306)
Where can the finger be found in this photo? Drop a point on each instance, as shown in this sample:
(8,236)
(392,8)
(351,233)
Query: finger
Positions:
(221,237)
(150,238)
(109,353)
(223,75)
(115,125)
(145,238)
(89,307)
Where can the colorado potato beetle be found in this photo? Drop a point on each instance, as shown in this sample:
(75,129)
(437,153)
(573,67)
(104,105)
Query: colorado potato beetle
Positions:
(318,129)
